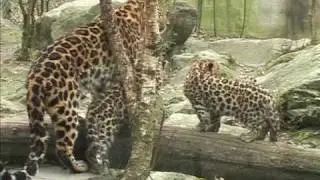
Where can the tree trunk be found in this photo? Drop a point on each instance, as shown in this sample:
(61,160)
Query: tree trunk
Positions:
(28,28)
(123,65)
(25,54)
(139,113)
(149,110)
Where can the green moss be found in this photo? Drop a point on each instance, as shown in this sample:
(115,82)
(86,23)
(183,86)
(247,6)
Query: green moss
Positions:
(306,136)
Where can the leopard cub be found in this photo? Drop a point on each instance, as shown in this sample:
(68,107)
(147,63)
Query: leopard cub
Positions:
(213,96)
(106,115)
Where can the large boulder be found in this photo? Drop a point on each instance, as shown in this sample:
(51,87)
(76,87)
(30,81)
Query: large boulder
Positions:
(10,39)
(296,82)
(63,19)
(176,26)
(70,15)
(252,52)
(182,19)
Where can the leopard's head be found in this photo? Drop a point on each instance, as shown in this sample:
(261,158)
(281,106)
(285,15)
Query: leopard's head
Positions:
(205,68)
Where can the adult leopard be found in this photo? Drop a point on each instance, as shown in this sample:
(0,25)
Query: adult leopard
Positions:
(79,60)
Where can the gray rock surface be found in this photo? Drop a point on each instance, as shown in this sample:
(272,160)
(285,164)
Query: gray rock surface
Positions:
(257,52)
(70,15)
(66,17)
(182,60)
(171,176)
(297,85)
(48,172)
(10,39)
(183,18)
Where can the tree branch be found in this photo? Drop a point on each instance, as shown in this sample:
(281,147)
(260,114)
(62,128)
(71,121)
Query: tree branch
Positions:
(23,10)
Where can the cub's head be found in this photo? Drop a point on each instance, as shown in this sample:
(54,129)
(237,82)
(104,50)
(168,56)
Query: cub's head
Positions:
(205,68)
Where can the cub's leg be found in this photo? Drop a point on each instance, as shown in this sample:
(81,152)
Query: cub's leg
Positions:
(214,122)
(102,124)
(274,125)
(204,118)
(256,133)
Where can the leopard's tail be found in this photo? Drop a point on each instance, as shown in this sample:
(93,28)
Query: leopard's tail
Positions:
(6,175)
(38,134)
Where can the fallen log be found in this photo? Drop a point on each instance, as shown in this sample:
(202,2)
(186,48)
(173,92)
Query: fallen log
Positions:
(14,142)
(212,154)
(190,152)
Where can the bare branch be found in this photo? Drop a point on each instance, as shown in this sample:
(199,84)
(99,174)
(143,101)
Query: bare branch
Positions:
(23,10)
(32,4)
(47,5)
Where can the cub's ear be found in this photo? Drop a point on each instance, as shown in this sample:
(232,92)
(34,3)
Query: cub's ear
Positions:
(210,66)
(214,67)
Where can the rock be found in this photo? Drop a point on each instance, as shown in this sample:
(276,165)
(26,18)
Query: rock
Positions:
(181,63)
(171,176)
(194,45)
(12,86)
(177,28)
(70,15)
(307,137)
(257,52)
(182,60)
(282,59)
(10,107)
(182,19)
(296,84)
(10,39)
(184,107)
(64,18)
(188,121)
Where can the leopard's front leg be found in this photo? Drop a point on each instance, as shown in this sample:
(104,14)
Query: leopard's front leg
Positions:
(257,133)
(214,122)
(204,117)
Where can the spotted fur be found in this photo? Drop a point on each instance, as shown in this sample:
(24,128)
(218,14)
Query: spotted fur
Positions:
(213,96)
